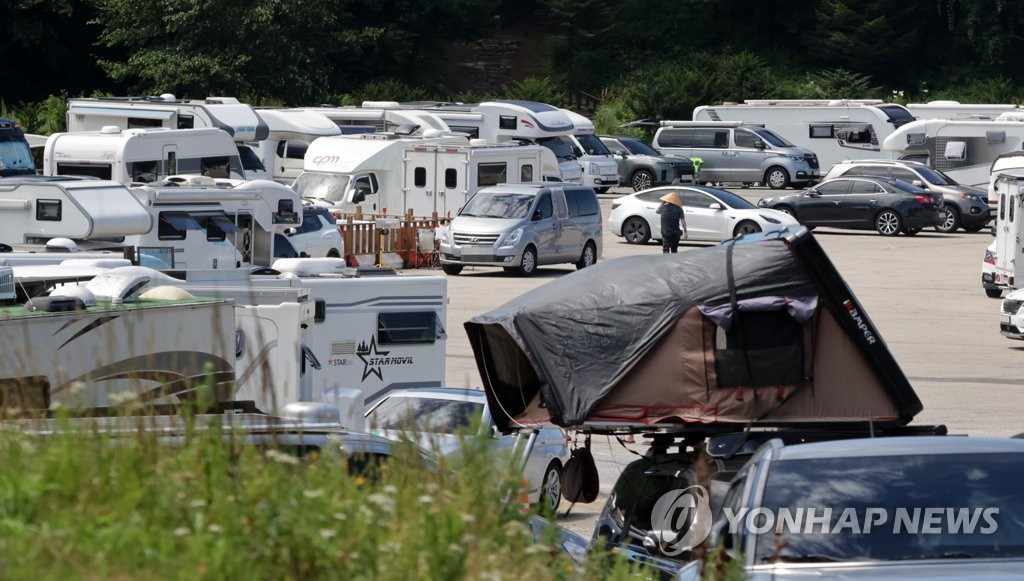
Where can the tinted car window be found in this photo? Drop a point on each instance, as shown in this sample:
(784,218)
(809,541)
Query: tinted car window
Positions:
(965,484)
(582,202)
(746,139)
(900,173)
(868,170)
(544,207)
(864,187)
(638,147)
(833,187)
(696,199)
(614,146)
(734,201)
(773,138)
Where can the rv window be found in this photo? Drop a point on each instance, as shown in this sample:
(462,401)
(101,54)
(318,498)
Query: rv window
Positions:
(214,167)
(508,122)
(186,122)
(526,173)
(171,163)
(25,393)
(419,177)
(398,328)
(250,161)
(451,178)
(822,131)
(292,149)
(489,174)
(217,227)
(143,171)
(1002,205)
(158,257)
(48,210)
(175,225)
(1009,214)
(101,171)
(761,348)
(134,122)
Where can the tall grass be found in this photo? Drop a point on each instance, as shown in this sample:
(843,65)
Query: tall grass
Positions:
(82,503)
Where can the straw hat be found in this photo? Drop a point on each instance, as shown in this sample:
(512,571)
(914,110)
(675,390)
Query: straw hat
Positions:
(672,198)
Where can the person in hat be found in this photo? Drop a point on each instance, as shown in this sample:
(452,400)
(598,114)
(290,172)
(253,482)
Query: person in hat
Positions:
(673,222)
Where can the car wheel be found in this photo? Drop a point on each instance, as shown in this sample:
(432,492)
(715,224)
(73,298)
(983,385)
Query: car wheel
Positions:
(333,253)
(588,258)
(602,190)
(786,210)
(888,223)
(551,487)
(973,229)
(746,185)
(952,221)
(636,230)
(993,293)
(642,179)
(911,231)
(777,178)
(746,227)
(528,264)
(452,269)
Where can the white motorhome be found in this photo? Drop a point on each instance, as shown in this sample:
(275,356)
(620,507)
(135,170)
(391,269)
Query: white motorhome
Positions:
(290,133)
(239,120)
(386,173)
(958,110)
(962,148)
(380,116)
(142,155)
(600,170)
(1008,186)
(835,130)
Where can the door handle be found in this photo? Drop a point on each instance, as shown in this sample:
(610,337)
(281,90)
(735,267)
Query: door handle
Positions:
(429,193)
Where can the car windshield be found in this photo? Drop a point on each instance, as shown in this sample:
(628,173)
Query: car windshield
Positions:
(424,414)
(592,145)
(936,177)
(637,147)
(321,186)
(250,161)
(919,507)
(773,138)
(15,156)
(732,200)
(561,149)
(498,205)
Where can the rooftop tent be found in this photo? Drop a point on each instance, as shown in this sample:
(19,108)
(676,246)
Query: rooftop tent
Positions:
(759,330)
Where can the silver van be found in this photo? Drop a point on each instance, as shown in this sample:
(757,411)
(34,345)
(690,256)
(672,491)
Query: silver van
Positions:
(522,226)
(738,152)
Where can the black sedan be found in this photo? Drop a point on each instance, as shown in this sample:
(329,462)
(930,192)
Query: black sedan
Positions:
(886,205)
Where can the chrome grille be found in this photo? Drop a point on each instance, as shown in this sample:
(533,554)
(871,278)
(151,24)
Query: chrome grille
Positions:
(461,238)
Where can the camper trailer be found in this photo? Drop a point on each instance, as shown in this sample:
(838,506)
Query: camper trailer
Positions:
(290,133)
(384,173)
(1008,188)
(835,130)
(15,154)
(964,149)
(239,120)
(958,110)
(90,346)
(142,155)
(600,170)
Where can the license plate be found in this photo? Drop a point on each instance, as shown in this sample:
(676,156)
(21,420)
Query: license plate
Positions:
(457,251)
(1004,319)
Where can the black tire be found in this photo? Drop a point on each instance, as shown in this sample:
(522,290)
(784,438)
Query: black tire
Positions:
(888,222)
(973,229)
(588,257)
(528,264)
(636,230)
(551,487)
(777,178)
(452,269)
(911,231)
(642,179)
(952,220)
(746,227)
(602,190)
(787,210)
(746,185)
(993,293)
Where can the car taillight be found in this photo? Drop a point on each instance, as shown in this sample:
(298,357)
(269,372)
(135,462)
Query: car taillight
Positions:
(925,199)
(614,205)
(990,257)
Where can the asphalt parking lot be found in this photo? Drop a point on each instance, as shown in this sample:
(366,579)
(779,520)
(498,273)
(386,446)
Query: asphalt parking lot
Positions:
(923,293)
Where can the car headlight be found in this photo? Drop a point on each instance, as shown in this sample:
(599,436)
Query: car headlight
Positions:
(762,203)
(769,219)
(446,235)
(512,238)
(796,157)
(595,170)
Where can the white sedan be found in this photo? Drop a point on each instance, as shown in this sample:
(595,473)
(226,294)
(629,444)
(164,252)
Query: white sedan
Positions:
(711,215)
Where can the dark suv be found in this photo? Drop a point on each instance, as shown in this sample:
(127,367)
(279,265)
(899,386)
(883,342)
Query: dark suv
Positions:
(966,206)
(642,167)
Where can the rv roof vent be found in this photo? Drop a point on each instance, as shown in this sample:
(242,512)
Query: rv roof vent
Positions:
(61,245)
(7,290)
(54,304)
(381,105)
(167,97)
(167,293)
(110,129)
(478,142)
(405,129)
(311,412)
(75,291)
(96,262)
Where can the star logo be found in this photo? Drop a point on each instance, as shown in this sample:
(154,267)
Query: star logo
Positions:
(368,354)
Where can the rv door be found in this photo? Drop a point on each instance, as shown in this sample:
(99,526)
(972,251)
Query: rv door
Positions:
(450,184)
(420,178)
(1008,223)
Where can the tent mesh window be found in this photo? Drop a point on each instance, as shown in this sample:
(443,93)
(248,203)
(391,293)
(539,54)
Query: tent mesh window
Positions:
(760,349)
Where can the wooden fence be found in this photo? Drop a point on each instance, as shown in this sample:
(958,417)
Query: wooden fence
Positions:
(371,238)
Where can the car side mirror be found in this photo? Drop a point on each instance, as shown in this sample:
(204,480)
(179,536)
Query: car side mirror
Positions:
(715,206)
(918,184)
(622,154)
(576,151)
(759,144)
(289,231)
(358,195)
(537,215)
(813,194)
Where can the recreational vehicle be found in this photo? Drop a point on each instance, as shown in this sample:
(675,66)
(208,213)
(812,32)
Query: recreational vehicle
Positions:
(835,130)
(142,155)
(379,116)
(239,120)
(600,170)
(15,155)
(291,131)
(386,173)
(962,148)
(1008,188)
(958,110)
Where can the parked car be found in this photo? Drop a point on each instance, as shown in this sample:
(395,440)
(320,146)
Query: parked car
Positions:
(966,206)
(642,167)
(990,280)
(318,235)
(948,507)
(886,205)
(522,226)
(1011,315)
(437,415)
(711,215)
